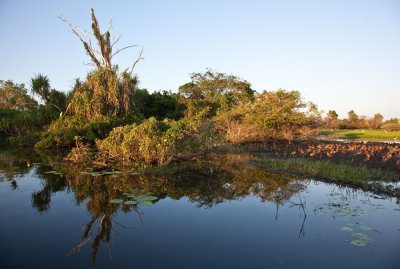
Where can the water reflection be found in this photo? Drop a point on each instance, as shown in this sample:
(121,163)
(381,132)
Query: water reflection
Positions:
(221,178)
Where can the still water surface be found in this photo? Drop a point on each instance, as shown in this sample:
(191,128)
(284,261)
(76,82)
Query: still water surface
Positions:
(243,217)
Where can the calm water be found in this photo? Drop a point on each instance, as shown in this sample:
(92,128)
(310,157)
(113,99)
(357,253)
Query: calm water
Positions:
(229,215)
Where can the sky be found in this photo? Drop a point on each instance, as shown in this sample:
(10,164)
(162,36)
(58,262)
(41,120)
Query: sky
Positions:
(341,55)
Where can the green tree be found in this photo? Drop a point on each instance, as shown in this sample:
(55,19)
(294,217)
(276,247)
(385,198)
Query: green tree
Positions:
(15,96)
(40,86)
(158,104)
(211,92)
(278,110)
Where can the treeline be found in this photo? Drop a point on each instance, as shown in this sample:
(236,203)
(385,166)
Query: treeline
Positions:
(107,119)
(354,121)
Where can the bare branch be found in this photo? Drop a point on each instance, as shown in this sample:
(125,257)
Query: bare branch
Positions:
(115,40)
(118,51)
(86,43)
(135,62)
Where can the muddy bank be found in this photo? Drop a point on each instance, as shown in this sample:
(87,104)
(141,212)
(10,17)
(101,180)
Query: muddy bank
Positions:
(372,154)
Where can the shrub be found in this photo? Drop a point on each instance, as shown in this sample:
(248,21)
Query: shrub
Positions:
(155,141)
(63,131)
(391,127)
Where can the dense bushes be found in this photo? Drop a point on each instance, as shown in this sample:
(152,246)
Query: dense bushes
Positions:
(160,105)
(155,141)
(64,131)
(272,115)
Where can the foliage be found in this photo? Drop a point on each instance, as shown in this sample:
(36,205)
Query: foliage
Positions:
(391,127)
(22,124)
(15,96)
(55,101)
(155,141)
(353,121)
(160,105)
(106,91)
(211,92)
(103,93)
(64,130)
(273,114)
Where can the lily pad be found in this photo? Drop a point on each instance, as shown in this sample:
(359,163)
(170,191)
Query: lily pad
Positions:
(116,201)
(346,229)
(361,240)
(358,243)
(360,236)
(365,228)
(130,202)
(146,203)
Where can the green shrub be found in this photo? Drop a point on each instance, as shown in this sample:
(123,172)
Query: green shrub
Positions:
(63,131)
(29,139)
(155,141)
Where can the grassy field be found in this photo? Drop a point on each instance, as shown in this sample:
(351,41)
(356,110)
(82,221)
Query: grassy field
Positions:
(373,135)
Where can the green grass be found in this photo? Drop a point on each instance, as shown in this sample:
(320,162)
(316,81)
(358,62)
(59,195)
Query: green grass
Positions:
(358,176)
(375,135)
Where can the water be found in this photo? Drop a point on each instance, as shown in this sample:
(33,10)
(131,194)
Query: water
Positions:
(230,216)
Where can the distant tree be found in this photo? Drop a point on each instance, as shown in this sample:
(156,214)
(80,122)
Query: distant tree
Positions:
(393,124)
(211,91)
(393,120)
(376,121)
(332,115)
(278,110)
(352,120)
(158,104)
(40,86)
(15,96)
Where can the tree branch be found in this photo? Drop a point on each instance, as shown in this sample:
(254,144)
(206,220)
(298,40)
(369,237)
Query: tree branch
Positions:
(135,62)
(124,48)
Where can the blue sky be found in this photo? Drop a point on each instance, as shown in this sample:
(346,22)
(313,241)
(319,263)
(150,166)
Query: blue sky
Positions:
(341,55)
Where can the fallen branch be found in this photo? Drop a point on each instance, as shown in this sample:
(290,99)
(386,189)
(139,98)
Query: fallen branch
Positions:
(184,157)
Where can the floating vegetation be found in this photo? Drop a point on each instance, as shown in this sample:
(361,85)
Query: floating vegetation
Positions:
(145,199)
(346,229)
(116,201)
(361,240)
(366,228)
(339,205)
(130,202)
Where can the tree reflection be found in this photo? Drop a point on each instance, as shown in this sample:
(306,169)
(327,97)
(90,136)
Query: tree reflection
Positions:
(14,165)
(221,178)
